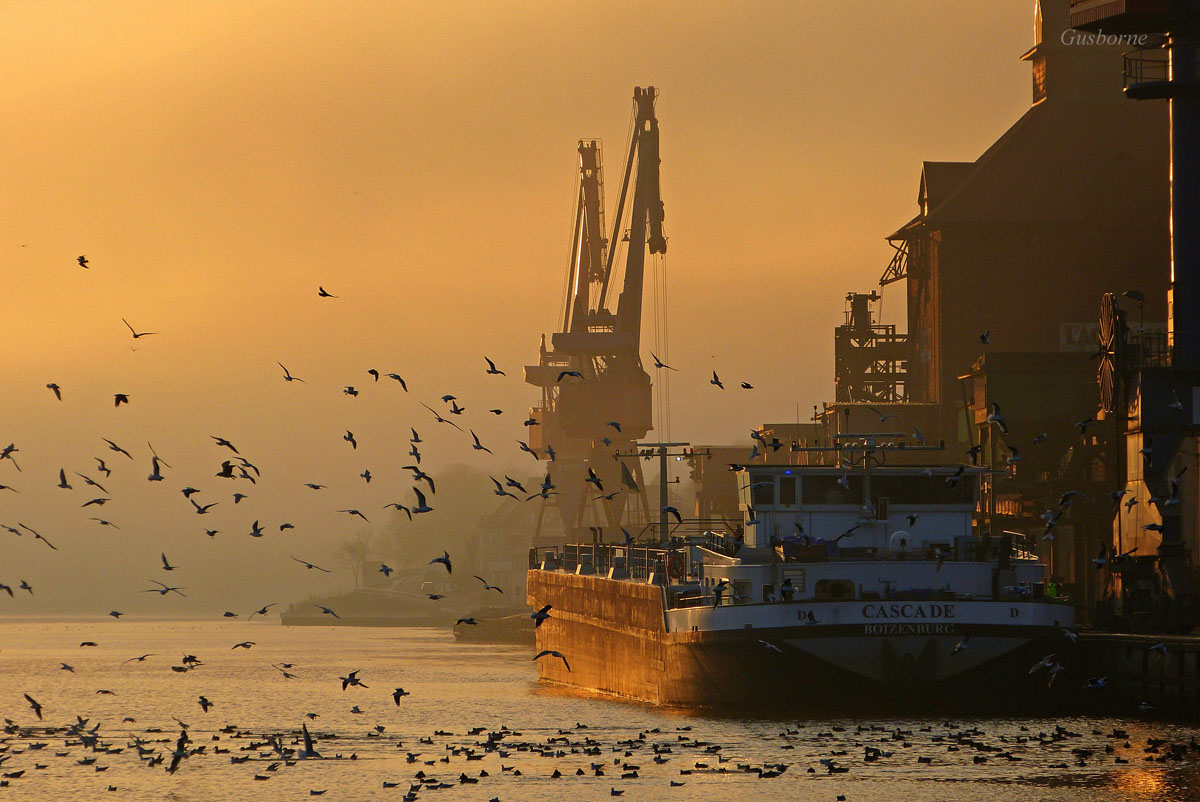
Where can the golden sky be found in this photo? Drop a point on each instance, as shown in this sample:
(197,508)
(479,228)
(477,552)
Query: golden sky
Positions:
(217,161)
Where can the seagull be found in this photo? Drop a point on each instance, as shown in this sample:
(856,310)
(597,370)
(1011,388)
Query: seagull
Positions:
(592,478)
(355,512)
(314,486)
(1096,683)
(65,667)
(398,694)
(26,586)
(374,374)
(421,505)
(262,610)
(136,334)
(322,293)
(91,482)
(716,380)
(386,569)
(350,390)
(986,337)
(226,471)
(366,475)
(83,262)
(221,441)
(500,491)
(287,376)
(396,377)
(163,590)
(491,368)
(256,530)
(352,679)
(539,616)
(552,653)
(62,479)
(525,447)
(349,438)
(564,373)
(205,705)
(962,644)
(747,386)
(141,659)
(439,418)
(246,644)
(487,587)
(104,469)
(444,560)
(1045,662)
(477,445)
(995,417)
(54,388)
(511,482)
(117,614)
(155,473)
(468,621)
(202,510)
(1041,438)
(399,508)
(310,566)
(420,475)
(658,363)
(34,705)
(166,565)
(1161,648)
(672,511)
(327,611)
(37,535)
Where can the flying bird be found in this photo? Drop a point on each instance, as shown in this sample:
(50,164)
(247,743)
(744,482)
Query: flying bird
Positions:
(562,374)
(83,262)
(349,438)
(421,505)
(310,566)
(552,653)
(288,377)
(137,334)
(477,445)
(396,376)
(487,587)
(54,388)
(166,565)
(34,705)
(716,381)
(444,560)
(355,512)
(492,370)
(322,293)
(658,363)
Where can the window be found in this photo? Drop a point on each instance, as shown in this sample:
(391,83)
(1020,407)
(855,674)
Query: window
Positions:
(787,490)
(762,489)
(828,490)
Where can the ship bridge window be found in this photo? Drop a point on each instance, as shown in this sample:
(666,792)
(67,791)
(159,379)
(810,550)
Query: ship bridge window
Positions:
(787,490)
(920,489)
(831,490)
(762,489)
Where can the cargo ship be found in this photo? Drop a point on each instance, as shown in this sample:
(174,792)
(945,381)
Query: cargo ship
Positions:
(854,581)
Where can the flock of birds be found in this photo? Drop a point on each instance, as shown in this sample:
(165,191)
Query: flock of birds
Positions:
(611,760)
(285,749)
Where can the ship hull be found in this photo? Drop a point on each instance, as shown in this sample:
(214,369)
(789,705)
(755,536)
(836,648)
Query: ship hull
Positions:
(619,640)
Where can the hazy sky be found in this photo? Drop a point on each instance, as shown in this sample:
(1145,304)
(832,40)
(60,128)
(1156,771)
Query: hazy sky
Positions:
(217,161)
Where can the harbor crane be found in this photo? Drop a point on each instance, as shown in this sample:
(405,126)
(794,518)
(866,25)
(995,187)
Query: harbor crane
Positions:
(596,395)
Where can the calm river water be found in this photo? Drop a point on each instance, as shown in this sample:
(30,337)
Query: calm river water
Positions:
(437,736)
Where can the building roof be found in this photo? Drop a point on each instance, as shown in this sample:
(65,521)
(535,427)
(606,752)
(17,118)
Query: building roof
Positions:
(1044,167)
